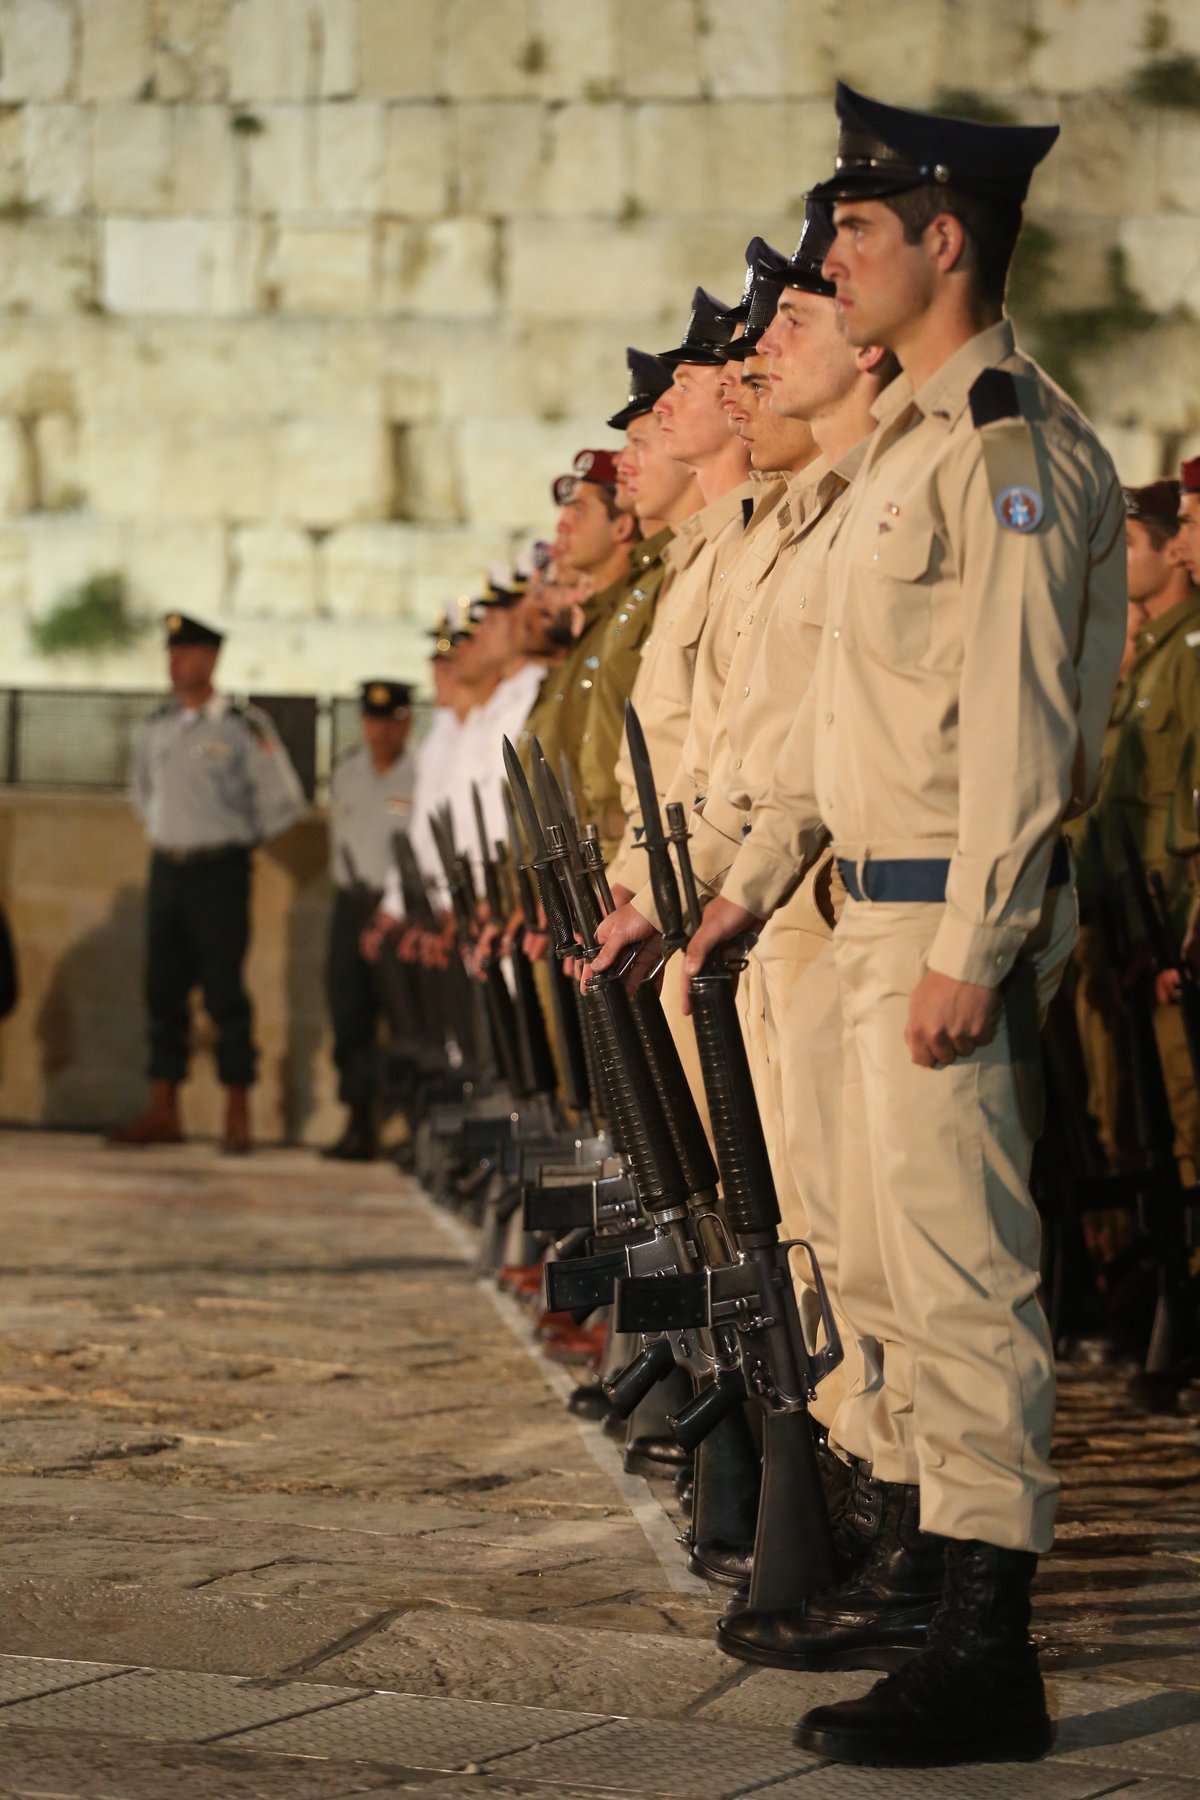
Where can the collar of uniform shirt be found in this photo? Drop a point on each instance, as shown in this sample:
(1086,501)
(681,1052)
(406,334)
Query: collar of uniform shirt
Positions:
(1155,632)
(945,394)
(214,708)
(648,550)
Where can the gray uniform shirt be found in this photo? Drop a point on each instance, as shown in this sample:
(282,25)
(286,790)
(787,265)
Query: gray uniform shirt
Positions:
(204,779)
(365,808)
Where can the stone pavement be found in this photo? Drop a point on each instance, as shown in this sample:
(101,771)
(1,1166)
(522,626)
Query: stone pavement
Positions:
(288,1507)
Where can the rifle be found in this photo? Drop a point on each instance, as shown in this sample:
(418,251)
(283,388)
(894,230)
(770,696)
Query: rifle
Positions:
(1161,1198)
(446,1001)
(727,1473)
(752,1294)
(534,1062)
(564,1001)
(1154,909)
(498,1000)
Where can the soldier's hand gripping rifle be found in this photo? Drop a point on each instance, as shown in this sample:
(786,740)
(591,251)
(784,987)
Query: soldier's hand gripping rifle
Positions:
(1161,1196)
(1166,953)
(752,1295)
(498,1000)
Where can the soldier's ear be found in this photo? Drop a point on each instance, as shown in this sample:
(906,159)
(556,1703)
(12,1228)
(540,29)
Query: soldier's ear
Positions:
(948,244)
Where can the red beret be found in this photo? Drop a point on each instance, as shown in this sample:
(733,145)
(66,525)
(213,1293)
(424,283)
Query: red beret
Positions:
(599,466)
(1189,476)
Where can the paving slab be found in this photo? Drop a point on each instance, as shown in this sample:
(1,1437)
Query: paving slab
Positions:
(265,1433)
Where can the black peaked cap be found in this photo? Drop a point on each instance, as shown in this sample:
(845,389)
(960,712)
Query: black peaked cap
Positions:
(886,150)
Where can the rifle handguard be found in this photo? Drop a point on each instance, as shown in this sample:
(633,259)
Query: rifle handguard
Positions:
(647,1141)
(693,1422)
(666,1071)
(748,1186)
(629,1387)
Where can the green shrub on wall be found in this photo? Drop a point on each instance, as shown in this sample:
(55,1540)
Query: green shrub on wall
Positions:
(89,620)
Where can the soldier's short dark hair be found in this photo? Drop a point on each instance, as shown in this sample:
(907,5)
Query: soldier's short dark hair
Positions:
(991,228)
(1159,531)
(609,497)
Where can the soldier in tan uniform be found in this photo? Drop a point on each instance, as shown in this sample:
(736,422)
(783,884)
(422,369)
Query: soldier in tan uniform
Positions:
(660,493)
(1151,766)
(975,622)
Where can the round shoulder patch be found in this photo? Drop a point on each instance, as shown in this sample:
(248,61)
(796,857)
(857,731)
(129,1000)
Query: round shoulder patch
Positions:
(1019,508)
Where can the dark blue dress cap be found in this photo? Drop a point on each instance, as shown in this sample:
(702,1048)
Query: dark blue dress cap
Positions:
(179,629)
(886,150)
(709,328)
(384,699)
(757,251)
(768,277)
(648,378)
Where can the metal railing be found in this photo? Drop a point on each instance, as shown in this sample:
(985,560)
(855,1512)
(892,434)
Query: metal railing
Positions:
(85,738)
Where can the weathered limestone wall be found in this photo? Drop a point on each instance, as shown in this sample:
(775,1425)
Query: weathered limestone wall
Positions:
(302,302)
(72,879)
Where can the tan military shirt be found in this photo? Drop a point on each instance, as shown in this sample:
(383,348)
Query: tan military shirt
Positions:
(558,714)
(779,635)
(974,631)
(662,692)
(735,580)
(1152,763)
(619,652)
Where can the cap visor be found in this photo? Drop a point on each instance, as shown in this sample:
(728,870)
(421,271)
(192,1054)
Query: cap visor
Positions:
(862,184)
(637,410)
(700,356)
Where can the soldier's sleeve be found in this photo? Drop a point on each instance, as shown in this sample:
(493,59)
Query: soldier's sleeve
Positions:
(786,831)
(1037,534)
(276,794)
(1183,836)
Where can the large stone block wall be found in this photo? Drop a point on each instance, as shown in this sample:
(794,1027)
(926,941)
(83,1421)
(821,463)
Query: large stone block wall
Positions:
(303,302)
(73,1054)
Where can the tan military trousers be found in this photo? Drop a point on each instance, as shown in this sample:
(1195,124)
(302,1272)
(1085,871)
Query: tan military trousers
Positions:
(793,1035)
(947,1216)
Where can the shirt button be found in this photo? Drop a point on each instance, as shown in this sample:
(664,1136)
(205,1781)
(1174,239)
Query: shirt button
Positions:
(745,690)
(829,718)
(1150,638)
(802,602)
(837,634)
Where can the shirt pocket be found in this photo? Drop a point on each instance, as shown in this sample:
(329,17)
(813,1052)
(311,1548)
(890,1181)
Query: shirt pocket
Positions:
(891,616)
(682,624)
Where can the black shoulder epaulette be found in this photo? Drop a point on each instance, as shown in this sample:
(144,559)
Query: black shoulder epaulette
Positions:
(993,396)
(747,510)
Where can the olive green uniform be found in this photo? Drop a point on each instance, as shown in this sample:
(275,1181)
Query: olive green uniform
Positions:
(620,652)
(1151,766)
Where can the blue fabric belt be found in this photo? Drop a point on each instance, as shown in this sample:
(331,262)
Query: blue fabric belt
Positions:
(913,878)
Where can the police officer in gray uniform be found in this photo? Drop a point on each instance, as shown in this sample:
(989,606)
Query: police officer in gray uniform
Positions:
(370,798)
(211,780)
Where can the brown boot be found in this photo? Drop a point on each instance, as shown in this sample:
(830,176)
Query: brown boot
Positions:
(237,1140)
(158,1123)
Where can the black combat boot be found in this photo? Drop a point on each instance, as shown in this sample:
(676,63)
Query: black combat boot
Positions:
(878,1615)
(974,1694)
(358,1142)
